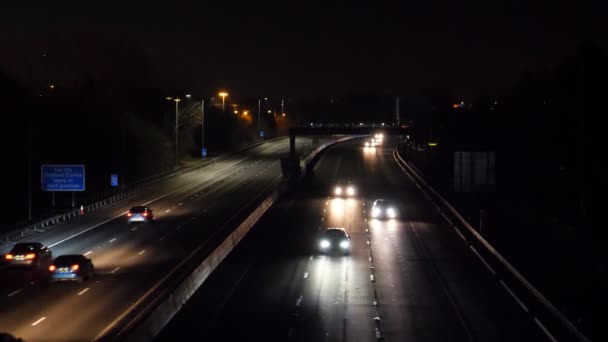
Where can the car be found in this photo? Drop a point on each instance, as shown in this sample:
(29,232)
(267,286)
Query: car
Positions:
(74,267)
(334,240)
(140,213)
(346,189)
(31,254)
(383,209)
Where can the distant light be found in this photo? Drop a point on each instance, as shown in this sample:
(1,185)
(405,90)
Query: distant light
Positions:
(188,95)
(223,94)
(52,86)
(177,99)
(236,112)
(265,98)
(433,144)
(168,98)
(269,111)
(283,114)
(455,105)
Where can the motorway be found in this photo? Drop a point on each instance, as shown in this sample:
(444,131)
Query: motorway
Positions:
(131,259)
(407,279)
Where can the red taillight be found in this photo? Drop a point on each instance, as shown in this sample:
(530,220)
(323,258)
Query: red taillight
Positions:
(145,214)
(52,268)
(30,256)
(129,214)
(75,267)
(8,257)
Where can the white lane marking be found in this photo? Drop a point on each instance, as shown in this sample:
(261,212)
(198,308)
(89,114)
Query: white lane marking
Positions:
(14,293)
(299,301)
(305,275)
(87,253)
(114,270)
(181,203)
(523,306)
(168,210)
(446,218)
(142,252)
(544,329)
(114,239)
(460,234)
(83,291)
(133,229)
(371,277)
(38,321)
(124,213)
(483,260)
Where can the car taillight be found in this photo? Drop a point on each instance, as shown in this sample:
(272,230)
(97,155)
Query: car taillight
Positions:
(145,214)
(8,257)
(52,268)
(129,214)
(75,267)
(30,256)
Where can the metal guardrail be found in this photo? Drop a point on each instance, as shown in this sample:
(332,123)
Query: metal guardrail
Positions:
(41,226)
(556,326)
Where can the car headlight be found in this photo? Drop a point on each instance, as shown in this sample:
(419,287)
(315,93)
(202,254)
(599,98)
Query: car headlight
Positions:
(338,191)
(324,244)
(391,212)
(367,144)
(350,191)
(344,244)
(375,212)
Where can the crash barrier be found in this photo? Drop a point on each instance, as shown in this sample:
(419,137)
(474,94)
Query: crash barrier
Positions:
(149,315)
(140,186)
(542,312)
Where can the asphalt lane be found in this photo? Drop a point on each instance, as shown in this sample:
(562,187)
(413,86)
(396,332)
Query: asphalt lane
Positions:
(410,278)
(130,259)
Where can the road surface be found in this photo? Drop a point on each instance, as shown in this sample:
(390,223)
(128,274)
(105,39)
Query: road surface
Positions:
(408,279)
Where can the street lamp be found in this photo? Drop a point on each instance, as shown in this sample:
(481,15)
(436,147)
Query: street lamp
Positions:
(259,111)
(223,94)
(176,100)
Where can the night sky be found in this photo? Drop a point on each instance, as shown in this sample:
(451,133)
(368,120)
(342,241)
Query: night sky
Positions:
(275,49)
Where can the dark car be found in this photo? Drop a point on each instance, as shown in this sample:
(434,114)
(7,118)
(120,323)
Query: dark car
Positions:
(31,254)
(383,209)
(75,267)
(334,240)
(140,214)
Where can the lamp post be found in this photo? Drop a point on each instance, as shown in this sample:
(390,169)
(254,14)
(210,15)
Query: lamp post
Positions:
(223,94)
(176,100)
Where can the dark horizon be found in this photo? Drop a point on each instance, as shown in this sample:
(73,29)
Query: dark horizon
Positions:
(282,51)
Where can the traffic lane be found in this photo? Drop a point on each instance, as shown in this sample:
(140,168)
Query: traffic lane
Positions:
(336,302)
(114,287)
(89,243)
(477,300)
(257,287)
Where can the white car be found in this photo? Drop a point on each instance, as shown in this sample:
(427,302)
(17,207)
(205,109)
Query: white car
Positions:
(384,209)
(334,240)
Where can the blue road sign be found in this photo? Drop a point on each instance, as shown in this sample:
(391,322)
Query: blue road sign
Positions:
(62,177)
(261,134)
(204,152)
(114,180)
